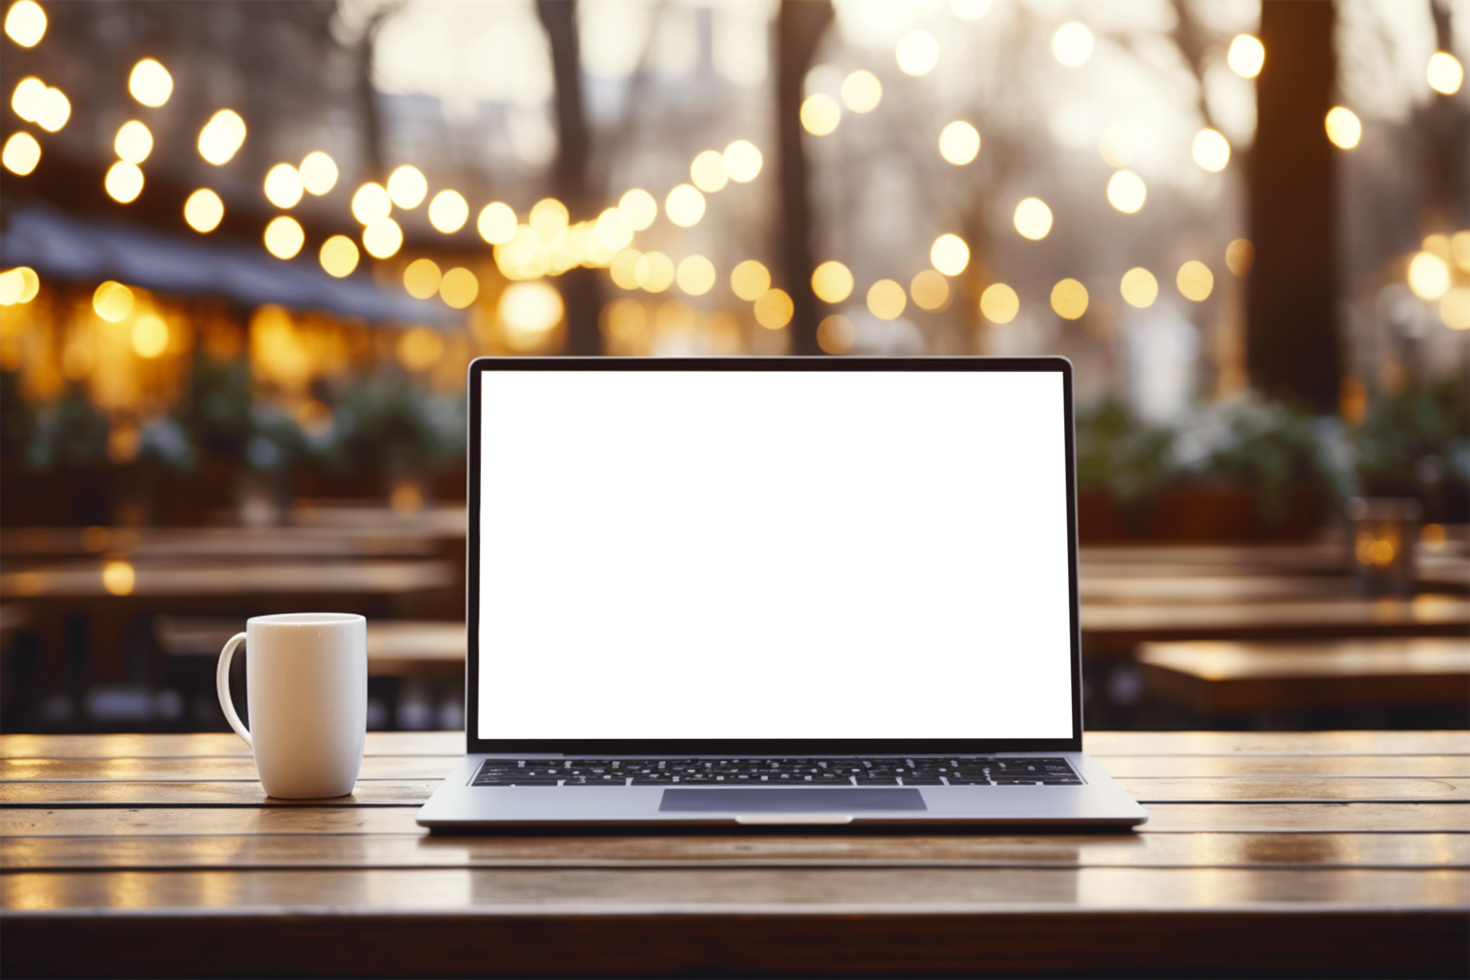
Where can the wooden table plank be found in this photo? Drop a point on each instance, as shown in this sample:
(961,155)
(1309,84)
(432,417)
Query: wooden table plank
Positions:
(451,744)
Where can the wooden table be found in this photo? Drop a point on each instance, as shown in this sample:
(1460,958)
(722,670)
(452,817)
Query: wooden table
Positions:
(1337,853)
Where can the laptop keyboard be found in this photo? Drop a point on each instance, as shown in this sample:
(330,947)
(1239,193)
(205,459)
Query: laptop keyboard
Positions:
(926,771)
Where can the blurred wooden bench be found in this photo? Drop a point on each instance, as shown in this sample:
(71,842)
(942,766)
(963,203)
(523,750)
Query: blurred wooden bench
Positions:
(395,648)
(1215,677)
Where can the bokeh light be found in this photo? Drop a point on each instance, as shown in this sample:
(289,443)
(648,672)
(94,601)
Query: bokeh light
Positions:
(742,161)
(1211,150)
(696,275)
(639,208)
(421,278)
(149,336)
(1246,56)
(1033,218)
(949,254)
(959,143)
(418,349)
(1126,191)
(1343,128)
(750,280)
(318,173)
(1072,44)
(25,23)
(654,271)
(1460,249)
(339,256)
(497,223)
(684,206)
(835,335)
(548,216)
(1115,146)
(612,231)
(917,53)
(624,268)
(407,187)
(382,238)
(861,91)
(204,210)
(283,186)
(19,285)
(1069,299)
(222,137)
(1429,276)
(150,83)
(1444,73)
(371,203)
(1195,281)
(527,311)
(1239,255)
(112,301)
(886,299)
(1140,288)
(448,212)
(708,172)
(773,310)
(41,104)
(999,303)
(930,290)
(124,182)
(831,282)
(21,154)
(133,142)
(820,114)
(1454,308)
(284,237)
(459,288)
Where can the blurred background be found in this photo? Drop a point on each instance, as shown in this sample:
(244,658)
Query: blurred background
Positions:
(248,250)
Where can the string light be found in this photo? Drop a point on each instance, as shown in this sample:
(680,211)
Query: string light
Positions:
(774,309)
(1429,276)
(1033,219)
(371,203)
(1126,191)
(1195,281)
(1069,299)
(930,290)
(742,161)
(448,212)
(421,278)
(1140,288)
(18,285)
(339,256)
(222,137)
(831,282)
(548,216)
(25,23)
(36,102)
(1211,150)
(949,254)
(696,275)
(654,272)
(917,53)
(459,288)
(527,311)
(204,210)
(133,142)
(708,172)
(124,182)
(684,206)
(1246,56)
(382,238)
(21,154)
(318,173)
(623,268)
(1343,128)
(959,143)
(150,83)
(1444,73)
(283,186)
(407,187)
(999,303)
(497,223)
(112,301)
(284,237)
(886,299)
(149,336)
(861,91)
(820,114)
(750,279)
(1072,44)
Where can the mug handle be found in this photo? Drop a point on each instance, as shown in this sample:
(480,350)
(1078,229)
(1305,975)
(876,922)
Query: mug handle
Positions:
(222,685)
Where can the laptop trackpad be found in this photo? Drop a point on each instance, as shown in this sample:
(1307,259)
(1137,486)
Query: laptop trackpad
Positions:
(783,800)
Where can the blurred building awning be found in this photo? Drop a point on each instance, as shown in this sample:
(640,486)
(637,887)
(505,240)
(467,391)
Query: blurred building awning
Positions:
(66,247)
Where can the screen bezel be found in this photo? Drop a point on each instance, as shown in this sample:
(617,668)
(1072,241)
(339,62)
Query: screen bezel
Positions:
(756,746)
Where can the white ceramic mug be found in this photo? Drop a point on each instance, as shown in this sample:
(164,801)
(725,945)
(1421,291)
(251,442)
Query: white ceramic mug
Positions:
(306,681)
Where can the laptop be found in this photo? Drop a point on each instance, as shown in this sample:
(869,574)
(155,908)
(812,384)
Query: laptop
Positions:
(773,591)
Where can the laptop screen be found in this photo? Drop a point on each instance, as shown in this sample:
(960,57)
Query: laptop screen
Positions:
(752,554)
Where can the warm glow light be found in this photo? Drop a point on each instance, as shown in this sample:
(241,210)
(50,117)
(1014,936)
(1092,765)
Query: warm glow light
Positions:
(124,182)
(418,349)
(548,216)
(149,336)
(497,223)
(861,91)
(407,187)
(1140,288)
(371,203)
(750,280)
(917,53)
(133,142)
(118,578)
(999,303)
(29,98)
(1116,147)
(318,173)
(150,83)
(1211,150)
(1454,308)
(448,212)
(1072,45)
(886,299)
(612,231)
(949,254)
(1033,219)
(1239,255)
(283,186)
(930,290)
(639,208)
(339,256)
(969,9)
(774,309)
(529,309)
(222,137)
(284,237)
(112,301)
(1343,128)
(1069,299)
(959,143)
(459,288)
(624,268)
(742,162)
(1460,249)
(52,109)
(25,23)
(382,238)
(1429,276)
(835,335)
(1437,244)
(421,278)
(708,171)
(1445,73)
(654,272)
(19,285)
(831,281)
(204,210)
(684,206)
(21,154)
(820,114)
(1246,56)
(696,275)
(1195,281)
(1126,191)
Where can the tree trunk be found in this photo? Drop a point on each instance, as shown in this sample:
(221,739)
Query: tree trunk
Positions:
(569,177)
(799,27)
(1292,340)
